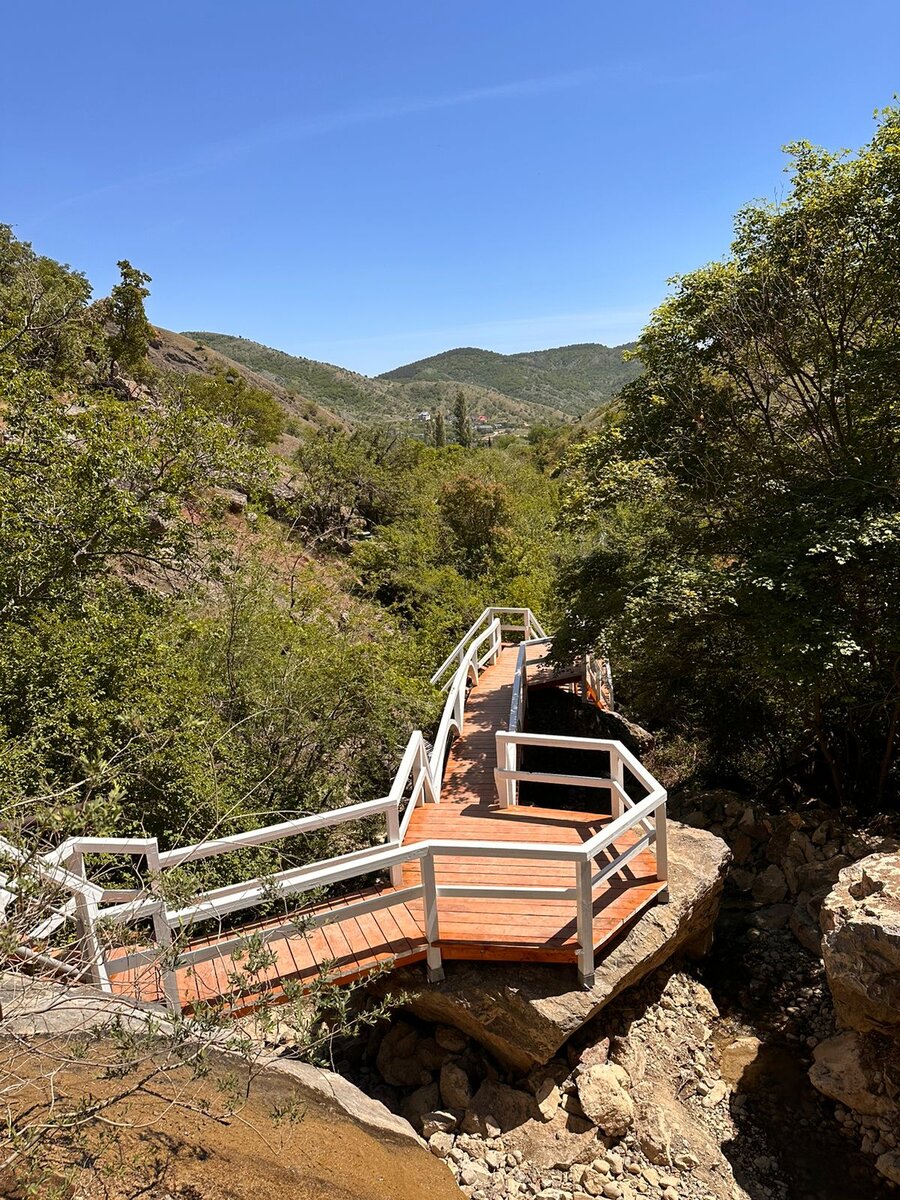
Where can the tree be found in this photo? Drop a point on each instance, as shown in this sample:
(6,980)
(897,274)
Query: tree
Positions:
(462,421)
(476,513)
(739,516)
(438,431)
(129,343)
(257,415)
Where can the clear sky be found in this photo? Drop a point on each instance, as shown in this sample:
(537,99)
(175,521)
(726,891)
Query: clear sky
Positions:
(372,181)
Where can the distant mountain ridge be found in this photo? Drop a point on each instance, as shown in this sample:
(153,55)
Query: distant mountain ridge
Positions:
(510,391)
(574,378)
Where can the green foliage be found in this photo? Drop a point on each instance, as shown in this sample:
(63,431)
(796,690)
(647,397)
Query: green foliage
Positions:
(259,418)
(130,340)
(347,483)
(511,391)
(438,430)
(737,520)
(476,513)
(462,421)
(45,323)
(569,380)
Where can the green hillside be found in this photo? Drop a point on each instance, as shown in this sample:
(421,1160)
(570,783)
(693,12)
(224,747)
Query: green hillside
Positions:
(341,391)
(570,379)
(510,391)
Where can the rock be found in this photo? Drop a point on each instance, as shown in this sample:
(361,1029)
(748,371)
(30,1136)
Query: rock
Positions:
(555,1144)
(889,1166)
(456,1091)
(738,1057)
(438,1122)
(611,724)
(507,1106)
(397,1062)
(547,1097)
(602,1090)
(860,921)
(440,1144)
(524,1017)
(805,930)
(597,1053)
(423,1100)
(450,1039)
(716,1094)
(770,887)
(776,916)
(847,1069)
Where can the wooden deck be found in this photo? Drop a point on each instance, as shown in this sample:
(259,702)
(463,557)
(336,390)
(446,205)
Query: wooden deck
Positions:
(540,930)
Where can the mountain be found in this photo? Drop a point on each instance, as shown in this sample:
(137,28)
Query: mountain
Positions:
(571,379)
(510,392)
(183,354)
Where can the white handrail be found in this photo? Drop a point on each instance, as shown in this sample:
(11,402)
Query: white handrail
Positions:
(422,773)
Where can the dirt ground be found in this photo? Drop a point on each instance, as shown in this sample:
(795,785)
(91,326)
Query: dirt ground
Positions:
(159,1144)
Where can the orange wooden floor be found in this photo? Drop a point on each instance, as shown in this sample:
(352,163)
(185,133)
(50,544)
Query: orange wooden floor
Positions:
(475,929)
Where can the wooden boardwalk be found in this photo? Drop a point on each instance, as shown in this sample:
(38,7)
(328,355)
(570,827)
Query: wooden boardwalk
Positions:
(535,930)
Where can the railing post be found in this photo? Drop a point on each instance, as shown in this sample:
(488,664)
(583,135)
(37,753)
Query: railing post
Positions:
(617,773)
(432,793)
(162,930)
(662,848)
(506,760)
(585,902)
(432,932)
(393,837)
(87,914)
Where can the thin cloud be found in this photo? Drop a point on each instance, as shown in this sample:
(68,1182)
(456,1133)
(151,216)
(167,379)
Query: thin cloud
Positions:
(299,128)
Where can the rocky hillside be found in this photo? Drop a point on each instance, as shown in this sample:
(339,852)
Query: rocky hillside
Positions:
(183,354)
(572,379)
(510,392)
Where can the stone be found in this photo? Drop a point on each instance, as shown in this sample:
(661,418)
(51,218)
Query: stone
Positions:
(438,1122)
(556,1144)
(450,1039)
(845,1068)
(396,1060)
(889,1166)
(602,1090)
(440,1144)
(715,1095)
(612,724)
(738,1057)
(456,1092)
(770,886)
(547,1097)
(596,1053)
(806,930)
(505,1105)
(423,1100)
(860,921)
(524,1017)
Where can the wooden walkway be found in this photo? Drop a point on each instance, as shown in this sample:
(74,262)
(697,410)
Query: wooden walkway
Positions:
(541,930)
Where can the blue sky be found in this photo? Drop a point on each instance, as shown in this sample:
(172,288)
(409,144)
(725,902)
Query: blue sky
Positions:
(369,183)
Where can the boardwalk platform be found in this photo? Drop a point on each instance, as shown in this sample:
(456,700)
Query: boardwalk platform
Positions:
(473,928)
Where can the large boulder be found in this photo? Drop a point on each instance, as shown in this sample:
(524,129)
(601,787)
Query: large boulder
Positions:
(603,1092)
(523,1016)
(861,945)
(855,1070)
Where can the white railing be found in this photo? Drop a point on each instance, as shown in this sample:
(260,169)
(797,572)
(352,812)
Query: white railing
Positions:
(528,627)
(419,773)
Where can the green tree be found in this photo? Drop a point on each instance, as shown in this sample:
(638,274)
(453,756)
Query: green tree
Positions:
(462,421)
(737,521)
(476,513)
(129,343)
(254,413)
(438,430)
